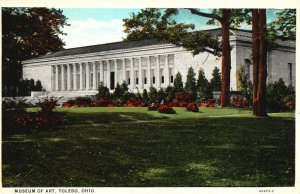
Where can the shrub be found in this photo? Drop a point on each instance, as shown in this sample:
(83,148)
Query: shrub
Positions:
(215,82)
(154,106)
(170,94)
(209,103)
(82,101)
(280,97)
(240,102)
(192,107)
(47,105)
(184,97)
(166,109)
(153,97)
(103,91)
(161,96)
(145,96)
(190,84)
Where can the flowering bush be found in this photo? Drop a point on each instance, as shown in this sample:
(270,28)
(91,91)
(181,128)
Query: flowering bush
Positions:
(47,105)
(184,97)
(240,102)
(192,107)
(209,103)
(154,106)
(166,109)
(102,102)
(134,103)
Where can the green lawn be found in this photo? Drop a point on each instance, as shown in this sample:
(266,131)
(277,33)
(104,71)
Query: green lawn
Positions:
(134,147)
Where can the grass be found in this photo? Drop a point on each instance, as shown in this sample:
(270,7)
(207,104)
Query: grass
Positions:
(135,147)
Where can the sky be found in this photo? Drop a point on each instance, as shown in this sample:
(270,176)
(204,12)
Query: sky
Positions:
(90,26)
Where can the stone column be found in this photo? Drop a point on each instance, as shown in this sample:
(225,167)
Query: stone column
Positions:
(81,76)
(74,77)
(124,70)
(116,72)
(88,76)
(140,74)
(63,75)
(167,73)
(108,74)
(94,76)
(157,77)
(101,72)
(149,81)
(68,77)
(131,73)
(56,78)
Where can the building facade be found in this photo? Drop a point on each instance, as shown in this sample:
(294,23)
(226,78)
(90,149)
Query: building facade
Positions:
(147,63)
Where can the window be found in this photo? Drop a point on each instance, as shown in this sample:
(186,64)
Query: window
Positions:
(136,80)
(145,80)
(153,80)
(171,78)
(128,81)
(162,79)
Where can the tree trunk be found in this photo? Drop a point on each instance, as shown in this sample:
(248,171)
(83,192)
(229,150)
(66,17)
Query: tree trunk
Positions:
(259,63)
(226,59)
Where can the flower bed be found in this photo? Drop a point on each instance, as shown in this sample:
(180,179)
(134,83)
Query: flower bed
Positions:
(240,102)
(209,103)
(153,107)
(192,107)
(166,109)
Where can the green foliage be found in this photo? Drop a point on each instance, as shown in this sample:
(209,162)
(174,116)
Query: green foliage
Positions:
(118,93)
(280,97)
(27,33)
(124,91)
(161,95)
(243,81)
(203,87)
(215,82)
(26,86)
(38,86)
(284,27)
(170,94)
(178,84)
(145,96)
(161,24)
(103,91)
(190,84)
(153,96)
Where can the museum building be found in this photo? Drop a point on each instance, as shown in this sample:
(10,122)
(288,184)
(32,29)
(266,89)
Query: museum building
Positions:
(148,63)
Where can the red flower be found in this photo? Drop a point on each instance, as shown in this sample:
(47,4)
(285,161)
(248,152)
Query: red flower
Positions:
(192,107)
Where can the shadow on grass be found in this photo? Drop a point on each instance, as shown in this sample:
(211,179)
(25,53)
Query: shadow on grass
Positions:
(183,152)
(109,117)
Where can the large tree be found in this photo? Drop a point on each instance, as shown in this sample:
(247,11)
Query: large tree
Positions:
(27,33)
(259,52)
(151,23)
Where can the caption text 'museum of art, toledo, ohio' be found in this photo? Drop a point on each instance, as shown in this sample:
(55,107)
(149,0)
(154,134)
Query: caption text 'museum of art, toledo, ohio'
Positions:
(145,63)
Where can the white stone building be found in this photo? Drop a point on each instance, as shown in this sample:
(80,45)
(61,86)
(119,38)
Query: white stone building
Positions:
(145,63)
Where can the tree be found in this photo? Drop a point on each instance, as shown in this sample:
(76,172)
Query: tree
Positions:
(284,27)
(125,93)
(161,95)
(215,82)
(259,53)
(242,79)
(203,87)
(153,97)
(118,93)
(178,84)
(170,94)
(145,96)
(190,84)
(27,33)
(103,91)
(151,23)
(38,86)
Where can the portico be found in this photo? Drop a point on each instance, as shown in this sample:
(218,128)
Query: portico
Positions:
(138,72)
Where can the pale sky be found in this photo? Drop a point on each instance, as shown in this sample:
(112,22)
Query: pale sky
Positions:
(90,26)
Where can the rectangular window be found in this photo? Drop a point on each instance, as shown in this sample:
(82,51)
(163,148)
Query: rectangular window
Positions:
(145,80)
(128,81)
(162,79)
(171,78)
(136,80)
(153,80)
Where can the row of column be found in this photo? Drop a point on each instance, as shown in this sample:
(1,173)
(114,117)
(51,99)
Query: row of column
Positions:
(65,77)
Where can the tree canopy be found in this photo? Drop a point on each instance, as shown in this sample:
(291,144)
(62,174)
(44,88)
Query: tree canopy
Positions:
(27,33)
